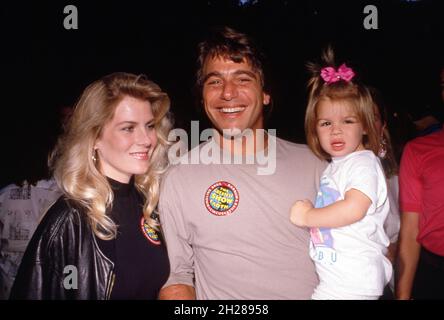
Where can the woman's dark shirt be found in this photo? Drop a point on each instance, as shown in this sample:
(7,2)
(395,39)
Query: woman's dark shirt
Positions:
(139,254)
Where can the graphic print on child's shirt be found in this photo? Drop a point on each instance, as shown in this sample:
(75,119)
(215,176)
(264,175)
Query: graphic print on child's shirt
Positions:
(321,238)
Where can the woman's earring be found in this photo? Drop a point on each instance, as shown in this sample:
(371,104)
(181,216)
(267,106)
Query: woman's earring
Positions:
(93,157)
(382,152)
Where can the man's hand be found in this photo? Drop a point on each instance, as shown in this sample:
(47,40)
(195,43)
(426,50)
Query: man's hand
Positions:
(299,210)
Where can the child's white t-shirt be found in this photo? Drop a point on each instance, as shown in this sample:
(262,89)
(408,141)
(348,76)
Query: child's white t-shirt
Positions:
(350,260)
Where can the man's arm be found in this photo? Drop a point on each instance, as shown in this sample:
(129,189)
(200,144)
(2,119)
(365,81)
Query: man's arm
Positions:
(179,285)
(177,292)
(408,255)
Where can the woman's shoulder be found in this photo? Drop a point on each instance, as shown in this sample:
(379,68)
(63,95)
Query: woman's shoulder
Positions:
(62,209)
(62,215)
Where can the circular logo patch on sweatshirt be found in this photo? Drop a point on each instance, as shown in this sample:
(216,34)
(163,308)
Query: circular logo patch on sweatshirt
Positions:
(221,198)
(149,233)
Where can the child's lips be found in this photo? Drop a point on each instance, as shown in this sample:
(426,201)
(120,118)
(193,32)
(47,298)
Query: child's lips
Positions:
(338,145)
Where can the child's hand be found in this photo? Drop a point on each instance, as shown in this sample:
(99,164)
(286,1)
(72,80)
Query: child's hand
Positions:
(299,210)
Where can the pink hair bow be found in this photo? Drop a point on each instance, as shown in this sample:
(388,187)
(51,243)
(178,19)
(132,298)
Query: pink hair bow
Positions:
(330,75)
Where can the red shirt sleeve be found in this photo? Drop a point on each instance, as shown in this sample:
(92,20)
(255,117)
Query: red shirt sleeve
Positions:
(410,187)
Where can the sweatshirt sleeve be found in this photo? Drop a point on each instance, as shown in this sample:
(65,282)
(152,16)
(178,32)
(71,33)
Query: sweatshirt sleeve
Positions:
(176,231)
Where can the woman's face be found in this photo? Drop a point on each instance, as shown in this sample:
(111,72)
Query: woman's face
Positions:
(127,141)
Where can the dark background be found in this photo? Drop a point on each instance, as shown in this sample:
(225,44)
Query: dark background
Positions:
(45,67)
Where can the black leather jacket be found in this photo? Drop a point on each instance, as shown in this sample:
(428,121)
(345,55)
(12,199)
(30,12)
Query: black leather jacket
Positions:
(63,238)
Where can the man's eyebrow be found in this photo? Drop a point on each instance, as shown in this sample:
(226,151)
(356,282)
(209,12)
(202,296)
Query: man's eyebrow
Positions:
(247,72)
(236,73)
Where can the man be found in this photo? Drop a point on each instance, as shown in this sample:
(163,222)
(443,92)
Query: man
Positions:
(428,118)
(421,245)
(227,225)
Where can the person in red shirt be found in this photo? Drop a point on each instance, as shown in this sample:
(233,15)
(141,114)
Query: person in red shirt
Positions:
(421,245)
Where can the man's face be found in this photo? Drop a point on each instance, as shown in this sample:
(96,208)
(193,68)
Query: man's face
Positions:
(233,97)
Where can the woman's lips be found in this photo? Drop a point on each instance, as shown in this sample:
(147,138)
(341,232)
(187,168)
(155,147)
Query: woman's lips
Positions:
(140,155)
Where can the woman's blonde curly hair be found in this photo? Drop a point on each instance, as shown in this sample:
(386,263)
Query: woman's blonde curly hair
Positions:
(79,176)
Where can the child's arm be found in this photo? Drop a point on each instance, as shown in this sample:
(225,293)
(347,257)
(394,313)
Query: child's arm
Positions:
(341,213)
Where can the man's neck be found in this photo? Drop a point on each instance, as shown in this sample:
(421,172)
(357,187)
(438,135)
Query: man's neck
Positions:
(425,122)
(250,142)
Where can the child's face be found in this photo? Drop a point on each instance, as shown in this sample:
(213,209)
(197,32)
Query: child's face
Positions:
(338,128)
